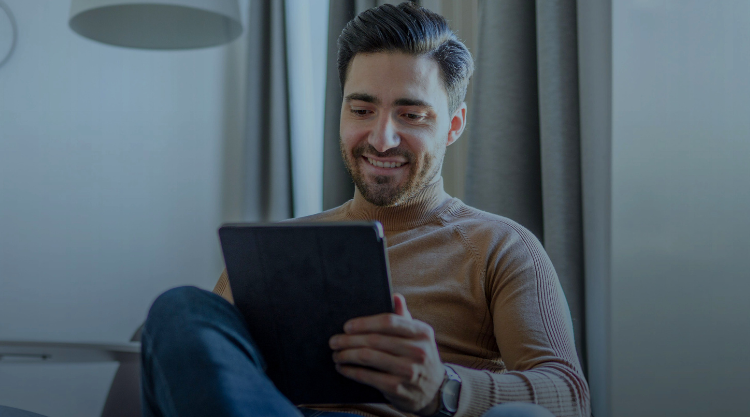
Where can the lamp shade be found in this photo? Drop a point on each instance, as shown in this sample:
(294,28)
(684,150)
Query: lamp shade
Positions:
(157,24)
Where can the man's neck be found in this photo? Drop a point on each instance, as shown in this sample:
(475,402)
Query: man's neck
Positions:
(418,209)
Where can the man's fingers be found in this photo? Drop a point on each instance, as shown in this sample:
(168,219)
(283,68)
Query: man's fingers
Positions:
(393,345)
(384,382)
(391,324)
(389,384)
(399,303)
(379,361)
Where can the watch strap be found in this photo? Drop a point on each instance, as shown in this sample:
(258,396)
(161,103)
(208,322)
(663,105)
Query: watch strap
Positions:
(452,377)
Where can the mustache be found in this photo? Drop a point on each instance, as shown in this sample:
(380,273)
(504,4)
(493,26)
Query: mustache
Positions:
(370,150)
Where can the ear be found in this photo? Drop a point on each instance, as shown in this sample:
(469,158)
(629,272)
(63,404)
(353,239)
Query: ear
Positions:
(458,123)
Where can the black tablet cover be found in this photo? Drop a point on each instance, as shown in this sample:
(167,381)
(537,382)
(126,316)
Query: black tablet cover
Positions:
(296,285)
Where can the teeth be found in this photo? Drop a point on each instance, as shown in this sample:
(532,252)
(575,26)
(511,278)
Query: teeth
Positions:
(384,164)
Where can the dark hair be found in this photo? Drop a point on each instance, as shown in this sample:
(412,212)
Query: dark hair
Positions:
(410,29)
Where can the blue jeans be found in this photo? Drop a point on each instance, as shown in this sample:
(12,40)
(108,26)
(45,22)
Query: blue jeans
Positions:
(198,359)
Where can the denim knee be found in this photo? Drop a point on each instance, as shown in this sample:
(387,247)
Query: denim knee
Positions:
(518,410)
(175,297)
(196,321)
(171,308)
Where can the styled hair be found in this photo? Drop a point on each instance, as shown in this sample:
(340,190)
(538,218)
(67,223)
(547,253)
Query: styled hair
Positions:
(413,30)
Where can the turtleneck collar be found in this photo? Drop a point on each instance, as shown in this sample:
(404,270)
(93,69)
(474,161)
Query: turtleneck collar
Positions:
(424,207)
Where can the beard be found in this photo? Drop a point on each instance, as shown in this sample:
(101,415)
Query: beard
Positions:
(383,190)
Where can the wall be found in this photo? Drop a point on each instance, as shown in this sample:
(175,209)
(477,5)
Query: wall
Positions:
(112,186)
(680,197)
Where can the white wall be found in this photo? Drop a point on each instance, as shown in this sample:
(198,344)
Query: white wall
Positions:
(681,199)
(112,184)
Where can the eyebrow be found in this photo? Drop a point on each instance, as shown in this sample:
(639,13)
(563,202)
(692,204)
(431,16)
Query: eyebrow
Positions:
(368,98)
(411,102)
(363,97)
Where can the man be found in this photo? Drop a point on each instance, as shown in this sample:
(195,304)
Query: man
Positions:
(479,310)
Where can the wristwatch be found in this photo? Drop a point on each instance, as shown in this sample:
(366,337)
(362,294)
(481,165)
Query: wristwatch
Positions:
(449,393)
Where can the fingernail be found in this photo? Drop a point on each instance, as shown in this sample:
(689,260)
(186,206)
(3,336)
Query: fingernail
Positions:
(348,327)
(333,343)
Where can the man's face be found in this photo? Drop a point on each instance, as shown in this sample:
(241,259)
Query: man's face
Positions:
(395,125)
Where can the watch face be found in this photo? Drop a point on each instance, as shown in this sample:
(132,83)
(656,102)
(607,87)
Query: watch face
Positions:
(450,395)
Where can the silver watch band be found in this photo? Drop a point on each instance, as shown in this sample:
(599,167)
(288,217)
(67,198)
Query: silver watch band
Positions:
(449,392)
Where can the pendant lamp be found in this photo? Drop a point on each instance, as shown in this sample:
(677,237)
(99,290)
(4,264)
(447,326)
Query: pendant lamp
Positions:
(157,24)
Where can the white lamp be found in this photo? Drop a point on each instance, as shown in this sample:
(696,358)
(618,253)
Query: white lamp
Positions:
(157,24)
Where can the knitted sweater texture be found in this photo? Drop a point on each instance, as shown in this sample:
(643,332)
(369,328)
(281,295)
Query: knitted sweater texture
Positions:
(486,286)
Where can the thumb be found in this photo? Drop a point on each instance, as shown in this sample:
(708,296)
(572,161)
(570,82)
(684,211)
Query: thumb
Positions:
(399,303)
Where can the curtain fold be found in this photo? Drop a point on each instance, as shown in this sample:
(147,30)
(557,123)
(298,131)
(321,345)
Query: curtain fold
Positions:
(337,185)
(267,185)
(557,57)
(524,150)
(504,172)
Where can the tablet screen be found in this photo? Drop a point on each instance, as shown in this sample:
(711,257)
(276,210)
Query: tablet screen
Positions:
(296,284)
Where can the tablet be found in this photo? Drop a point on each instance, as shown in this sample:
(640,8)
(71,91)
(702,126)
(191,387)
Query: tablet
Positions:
(296,284)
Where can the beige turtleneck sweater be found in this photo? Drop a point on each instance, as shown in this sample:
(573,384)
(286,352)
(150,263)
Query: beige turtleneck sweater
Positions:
(486,286)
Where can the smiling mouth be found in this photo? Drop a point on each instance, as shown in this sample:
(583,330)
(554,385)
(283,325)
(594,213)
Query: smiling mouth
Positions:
(380,164)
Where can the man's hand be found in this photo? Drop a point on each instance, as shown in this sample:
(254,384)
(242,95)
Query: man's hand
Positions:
(400,356)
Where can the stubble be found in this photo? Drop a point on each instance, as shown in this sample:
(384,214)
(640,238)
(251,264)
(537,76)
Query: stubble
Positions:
(383,192)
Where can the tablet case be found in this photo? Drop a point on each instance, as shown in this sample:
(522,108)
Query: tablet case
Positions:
(296,284)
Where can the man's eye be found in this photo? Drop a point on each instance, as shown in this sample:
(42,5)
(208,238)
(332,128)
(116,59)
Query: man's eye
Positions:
(359,112)
(414,116)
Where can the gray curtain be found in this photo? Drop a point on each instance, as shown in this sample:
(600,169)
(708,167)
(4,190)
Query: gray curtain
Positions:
(337,185)
(267,187)
(524,150)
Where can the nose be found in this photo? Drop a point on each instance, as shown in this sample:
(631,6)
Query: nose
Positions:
(384,135)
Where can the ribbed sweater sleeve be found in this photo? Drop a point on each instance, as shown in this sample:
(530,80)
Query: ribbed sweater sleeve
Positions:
(533,332)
